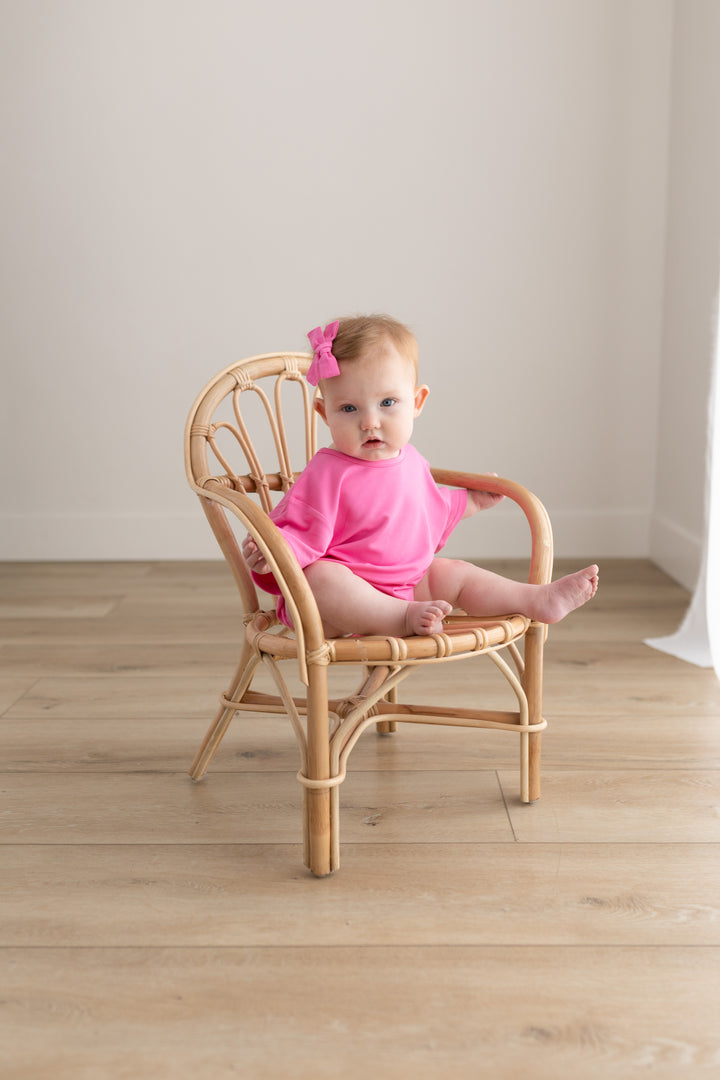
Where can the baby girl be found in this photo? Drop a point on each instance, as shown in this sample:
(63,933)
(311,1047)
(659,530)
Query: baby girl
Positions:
(365,518)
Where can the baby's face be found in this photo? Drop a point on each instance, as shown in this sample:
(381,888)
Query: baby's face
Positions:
(370,407)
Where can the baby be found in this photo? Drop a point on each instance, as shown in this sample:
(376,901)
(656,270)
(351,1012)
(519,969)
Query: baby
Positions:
(365,518)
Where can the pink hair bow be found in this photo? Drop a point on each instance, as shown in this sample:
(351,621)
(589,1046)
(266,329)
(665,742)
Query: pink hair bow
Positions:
(324,364)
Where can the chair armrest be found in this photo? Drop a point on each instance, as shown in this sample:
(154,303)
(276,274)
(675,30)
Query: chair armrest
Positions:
(541,559)
(280,558)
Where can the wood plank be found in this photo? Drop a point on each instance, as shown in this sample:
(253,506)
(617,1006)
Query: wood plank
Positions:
(635,626)
(39,745)
(87,808)
(76,606)
(29,579)
(631,660)
(584,806)
(655,683)
(239,895)
(684,695)
(155,675)
(649,741)
(395,1012)
(121,697)
(266,743)
(149,692)
(119,627)
(67,667)
(89,657)
(141,808)
(12,689)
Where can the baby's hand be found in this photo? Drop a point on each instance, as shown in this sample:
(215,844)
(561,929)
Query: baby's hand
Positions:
(254,557)
(483,500)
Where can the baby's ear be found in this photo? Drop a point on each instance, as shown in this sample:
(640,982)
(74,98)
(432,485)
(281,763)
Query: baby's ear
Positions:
(421,394)
(319,407)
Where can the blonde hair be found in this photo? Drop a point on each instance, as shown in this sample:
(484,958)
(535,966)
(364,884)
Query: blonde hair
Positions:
(359,335)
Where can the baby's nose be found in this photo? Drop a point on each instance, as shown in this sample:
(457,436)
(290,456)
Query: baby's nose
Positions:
(369,420)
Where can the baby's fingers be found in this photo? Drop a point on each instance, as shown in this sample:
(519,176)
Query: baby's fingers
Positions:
(253,556)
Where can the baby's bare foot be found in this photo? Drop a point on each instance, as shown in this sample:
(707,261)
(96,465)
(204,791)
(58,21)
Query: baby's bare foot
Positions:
(426,616)
(553,602)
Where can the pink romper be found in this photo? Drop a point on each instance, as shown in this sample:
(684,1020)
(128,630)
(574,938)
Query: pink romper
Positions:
(385,520)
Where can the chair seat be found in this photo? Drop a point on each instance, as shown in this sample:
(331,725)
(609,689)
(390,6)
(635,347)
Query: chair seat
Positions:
(463,636)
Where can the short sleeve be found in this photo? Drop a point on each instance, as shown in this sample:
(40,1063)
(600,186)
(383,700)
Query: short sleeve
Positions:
(455,500)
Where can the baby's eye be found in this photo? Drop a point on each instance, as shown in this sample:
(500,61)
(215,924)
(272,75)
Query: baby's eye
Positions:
(387,402)
(347,408)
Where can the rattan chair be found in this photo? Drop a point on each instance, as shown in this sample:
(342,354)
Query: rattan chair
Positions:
(236,492)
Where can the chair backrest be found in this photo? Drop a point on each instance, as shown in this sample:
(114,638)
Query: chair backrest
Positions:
(249,433)
(249,449)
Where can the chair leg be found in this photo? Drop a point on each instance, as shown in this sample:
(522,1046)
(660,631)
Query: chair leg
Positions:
(318,831)
(321,819)
(388,727)
(532,684)
(534,765)
(241,681)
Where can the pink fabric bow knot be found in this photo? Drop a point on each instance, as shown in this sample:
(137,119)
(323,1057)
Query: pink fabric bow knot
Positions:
(324,364)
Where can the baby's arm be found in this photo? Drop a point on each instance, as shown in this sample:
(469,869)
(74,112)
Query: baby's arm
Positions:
(481,500)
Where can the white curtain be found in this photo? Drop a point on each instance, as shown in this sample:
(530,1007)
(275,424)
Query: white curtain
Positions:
(698,639)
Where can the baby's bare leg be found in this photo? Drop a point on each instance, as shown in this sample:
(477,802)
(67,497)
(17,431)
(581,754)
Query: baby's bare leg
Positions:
(480,592)
(349,605)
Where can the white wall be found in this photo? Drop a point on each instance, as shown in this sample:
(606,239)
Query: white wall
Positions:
(691,290)
(190,181)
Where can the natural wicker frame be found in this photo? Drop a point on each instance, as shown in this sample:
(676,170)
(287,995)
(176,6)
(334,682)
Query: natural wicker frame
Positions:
(327,730)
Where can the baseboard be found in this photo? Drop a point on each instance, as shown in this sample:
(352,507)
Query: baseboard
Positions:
(675,550)
(497,534)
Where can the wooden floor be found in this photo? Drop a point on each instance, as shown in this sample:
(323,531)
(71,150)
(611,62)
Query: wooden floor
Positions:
(152,927)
